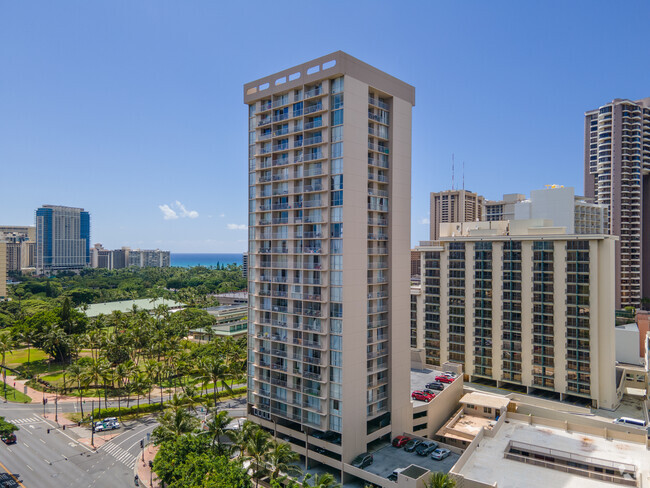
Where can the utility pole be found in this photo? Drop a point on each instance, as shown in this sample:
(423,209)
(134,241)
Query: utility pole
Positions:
(56,405)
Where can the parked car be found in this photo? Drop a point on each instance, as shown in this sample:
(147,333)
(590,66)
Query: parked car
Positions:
(444,379)
(421,396)
(430,392)
(435,385)
(451,374)
(440,453)
(111,425)
(333,437)
(362,460)
(9,439)
(100,427)
(393,475)
(630,421)
(400,441)
(426,448)
(412,444)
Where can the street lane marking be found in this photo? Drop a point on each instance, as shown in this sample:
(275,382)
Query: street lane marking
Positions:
(9,473)
(29,467)
(42,441)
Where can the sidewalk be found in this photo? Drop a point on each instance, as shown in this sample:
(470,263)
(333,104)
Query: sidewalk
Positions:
(143,471)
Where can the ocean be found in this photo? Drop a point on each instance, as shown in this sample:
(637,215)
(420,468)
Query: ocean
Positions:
(188,260)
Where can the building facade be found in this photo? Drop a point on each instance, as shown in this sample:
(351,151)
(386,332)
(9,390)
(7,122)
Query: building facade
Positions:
(3,270)
(125,257)
(454,206)
(329,230)
(415,263)
(20,246)
(503,209)
(616,170)
(565,209)
(522,304)
(244,268)
(62,238)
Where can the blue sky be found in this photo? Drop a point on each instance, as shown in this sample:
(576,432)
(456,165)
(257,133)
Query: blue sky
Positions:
(134,111)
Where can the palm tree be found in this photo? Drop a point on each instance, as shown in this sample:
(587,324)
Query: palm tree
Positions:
(151,372)
(280,458)
(440,480)
(7,344)
(217,426)
(325,480)
(77,374)
(173,424)
(94,373)
(258,447)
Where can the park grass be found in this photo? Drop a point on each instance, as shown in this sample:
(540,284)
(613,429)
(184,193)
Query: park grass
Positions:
(19,356)
(14,395)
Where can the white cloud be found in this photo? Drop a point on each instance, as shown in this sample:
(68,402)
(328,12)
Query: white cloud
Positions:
(236,226)
(424,221)
(192,214)
(168,213)
(222,215)
(178,211)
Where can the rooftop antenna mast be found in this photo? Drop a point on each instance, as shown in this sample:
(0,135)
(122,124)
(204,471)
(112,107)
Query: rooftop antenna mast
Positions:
(463,175)
(452,171)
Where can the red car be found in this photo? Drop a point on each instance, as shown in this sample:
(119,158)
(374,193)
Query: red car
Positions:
(400,441)
(444,379)
(422,396)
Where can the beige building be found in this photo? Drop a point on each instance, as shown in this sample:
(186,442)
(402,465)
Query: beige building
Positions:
(329,229)
(454,206)
(503,209)
(20,246)
(3,269)
(617,172)
(522,303)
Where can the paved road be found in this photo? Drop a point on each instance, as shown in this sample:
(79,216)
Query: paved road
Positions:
(59,459)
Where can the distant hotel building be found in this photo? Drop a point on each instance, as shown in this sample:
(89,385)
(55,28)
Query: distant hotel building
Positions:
(521,303)
(329,222)
(415,262)
(62,238)
(3,270)
(454,206)
(244,261)
(20,247)
(127,257)
(617,169)
(503,209)
(565,209)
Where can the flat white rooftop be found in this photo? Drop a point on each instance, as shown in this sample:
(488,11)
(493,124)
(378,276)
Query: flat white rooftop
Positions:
(487,464)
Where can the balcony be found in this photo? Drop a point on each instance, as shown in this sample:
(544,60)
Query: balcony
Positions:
(377,103)
(313,108)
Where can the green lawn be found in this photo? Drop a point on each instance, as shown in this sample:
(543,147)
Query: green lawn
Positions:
(19,356)
(14,395)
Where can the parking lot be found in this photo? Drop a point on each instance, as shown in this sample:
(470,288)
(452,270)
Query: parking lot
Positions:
(420,377)
(387,459)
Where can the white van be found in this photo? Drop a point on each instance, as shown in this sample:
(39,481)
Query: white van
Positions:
(630,421)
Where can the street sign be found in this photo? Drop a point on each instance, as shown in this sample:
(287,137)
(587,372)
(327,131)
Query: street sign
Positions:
(25,390)
(148,437)
(44,401)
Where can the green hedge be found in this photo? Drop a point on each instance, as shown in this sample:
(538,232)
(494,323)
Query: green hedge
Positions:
(153,407)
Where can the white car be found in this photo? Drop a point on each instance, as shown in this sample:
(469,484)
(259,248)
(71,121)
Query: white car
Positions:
(440,453)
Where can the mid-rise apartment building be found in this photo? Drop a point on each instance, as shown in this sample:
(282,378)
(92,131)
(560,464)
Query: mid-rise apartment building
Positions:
(503,209)
(329,230)
(454,206)
(521,303)
(62,238)
(415,263)
(616,169)
(125,257)
(244,268)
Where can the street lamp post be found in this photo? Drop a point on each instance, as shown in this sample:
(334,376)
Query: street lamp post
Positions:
(92,431)
(56,405)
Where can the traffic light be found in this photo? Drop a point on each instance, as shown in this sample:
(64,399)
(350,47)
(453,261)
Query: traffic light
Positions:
(48,431)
